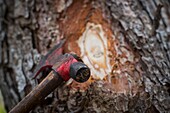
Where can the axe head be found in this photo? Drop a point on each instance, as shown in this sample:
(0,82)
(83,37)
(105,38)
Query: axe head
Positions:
(66,65)
(49,59)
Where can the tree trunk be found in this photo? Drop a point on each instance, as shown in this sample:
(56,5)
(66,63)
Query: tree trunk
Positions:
(130,68)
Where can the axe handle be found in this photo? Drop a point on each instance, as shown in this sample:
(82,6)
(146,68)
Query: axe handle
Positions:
(52,81)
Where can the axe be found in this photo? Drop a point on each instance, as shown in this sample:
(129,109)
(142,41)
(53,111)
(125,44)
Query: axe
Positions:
(63,66)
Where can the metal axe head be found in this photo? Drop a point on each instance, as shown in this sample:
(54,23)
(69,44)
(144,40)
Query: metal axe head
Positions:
(66,65)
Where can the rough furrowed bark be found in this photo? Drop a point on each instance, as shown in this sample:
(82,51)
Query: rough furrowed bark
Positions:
(17,51)
(28,29)
(146,28)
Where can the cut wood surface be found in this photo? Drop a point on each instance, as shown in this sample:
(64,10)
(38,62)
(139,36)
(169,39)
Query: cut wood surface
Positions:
(125,43)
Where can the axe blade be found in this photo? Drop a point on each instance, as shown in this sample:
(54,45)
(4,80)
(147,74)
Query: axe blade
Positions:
(50,58)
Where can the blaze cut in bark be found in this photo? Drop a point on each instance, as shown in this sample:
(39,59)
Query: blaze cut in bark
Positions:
(89,35)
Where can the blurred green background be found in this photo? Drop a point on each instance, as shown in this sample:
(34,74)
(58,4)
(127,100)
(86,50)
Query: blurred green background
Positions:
(2,110)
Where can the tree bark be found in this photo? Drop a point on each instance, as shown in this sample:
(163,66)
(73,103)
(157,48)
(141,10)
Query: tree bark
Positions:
(28,29)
